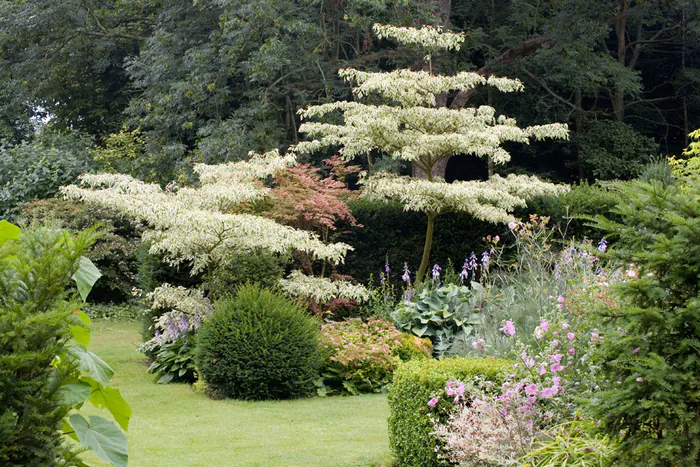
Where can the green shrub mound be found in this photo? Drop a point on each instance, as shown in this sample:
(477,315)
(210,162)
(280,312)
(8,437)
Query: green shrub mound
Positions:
(258,345)
(415,383)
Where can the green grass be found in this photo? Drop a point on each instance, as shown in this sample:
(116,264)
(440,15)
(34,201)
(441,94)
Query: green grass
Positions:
(174,426)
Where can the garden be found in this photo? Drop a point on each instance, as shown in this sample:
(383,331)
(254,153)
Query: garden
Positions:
(194,273)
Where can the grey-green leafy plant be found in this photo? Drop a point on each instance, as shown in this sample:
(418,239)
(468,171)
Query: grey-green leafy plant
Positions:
(449,315)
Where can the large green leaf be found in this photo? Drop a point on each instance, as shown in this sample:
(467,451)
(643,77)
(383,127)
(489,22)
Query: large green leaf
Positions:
(86,276)
(74,392)
(112,400)
(81,334)
(88,362)
(8,231)
(103,437)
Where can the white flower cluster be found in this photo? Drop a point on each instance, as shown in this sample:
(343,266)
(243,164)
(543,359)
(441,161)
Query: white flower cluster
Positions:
(322,289)
(490,200)
(419,133)
(187,309)
(428,37)
(408,87)
(203,225)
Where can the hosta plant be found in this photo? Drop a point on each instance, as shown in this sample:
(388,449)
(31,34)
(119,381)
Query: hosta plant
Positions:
(445,314)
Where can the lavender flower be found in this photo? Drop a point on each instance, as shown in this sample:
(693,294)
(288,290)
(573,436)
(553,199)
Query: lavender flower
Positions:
(436,272)
(406,274)
(386,268)
(183,324)
(172,329)
(473,262)
(464,275)
(485,257)
(602,245)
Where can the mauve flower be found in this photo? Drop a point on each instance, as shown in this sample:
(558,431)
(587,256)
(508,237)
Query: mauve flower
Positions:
(538,332)
(473,263)
(571,336)
(406,273)
(554,367)
(639,380)
(432,402)
(531,389)
(508,328)
(602,245)
(560,299)
(542,370)
(594,336)
(436,271)
(464,275)
(555,343)
(525,409)
(529,362)
(512,225)
(565,326)
(572,351)
(386,267)
(547,393)
(544,325)
(485,258)
(635,350)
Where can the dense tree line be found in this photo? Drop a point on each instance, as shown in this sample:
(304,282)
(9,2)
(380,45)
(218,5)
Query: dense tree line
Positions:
(210,80)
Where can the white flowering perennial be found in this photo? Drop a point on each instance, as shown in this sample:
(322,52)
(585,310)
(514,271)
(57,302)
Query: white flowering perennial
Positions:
(322,289)
(428,37)
(203,225)
(489,200)
(187,308)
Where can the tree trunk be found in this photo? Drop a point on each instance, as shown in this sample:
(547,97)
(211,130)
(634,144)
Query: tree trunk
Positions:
(438,170)
(425,260)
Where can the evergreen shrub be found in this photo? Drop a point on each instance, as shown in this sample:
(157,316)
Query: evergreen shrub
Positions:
(415,383)
(258,345)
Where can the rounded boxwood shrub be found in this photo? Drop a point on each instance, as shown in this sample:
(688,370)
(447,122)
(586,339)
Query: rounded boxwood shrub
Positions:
(415,383)
(258,345)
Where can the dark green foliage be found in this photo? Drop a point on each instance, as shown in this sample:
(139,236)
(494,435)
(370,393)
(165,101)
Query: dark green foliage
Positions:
(36,169)
(259,267)
(174,361)
(566,210)
(35,312)
(126,311)
(258,345)
(611,150)
(389,233)
(415,383)
(115,253)
(656,406)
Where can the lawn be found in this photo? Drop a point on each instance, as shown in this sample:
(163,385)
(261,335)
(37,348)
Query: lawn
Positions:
(174,426)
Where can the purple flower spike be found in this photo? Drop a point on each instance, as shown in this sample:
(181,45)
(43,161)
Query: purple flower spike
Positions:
(602,245)
(406,274)
(436,271)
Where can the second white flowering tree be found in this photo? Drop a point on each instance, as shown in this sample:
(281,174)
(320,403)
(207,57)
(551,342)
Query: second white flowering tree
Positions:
(411,127)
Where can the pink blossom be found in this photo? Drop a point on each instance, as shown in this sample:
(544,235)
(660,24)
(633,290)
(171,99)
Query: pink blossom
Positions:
(556,380)
(555,343)
(508,328)
(538,332)
(571,336)
(547,393)
(594,336)
(639,380)
(560,299)
(556,358)
(572,351)
(565,326)
(544,325)
(432,402)
(554,367)
(542,370)
(531,389)
(635,350)
(530,362)
(525,409)
(512,225)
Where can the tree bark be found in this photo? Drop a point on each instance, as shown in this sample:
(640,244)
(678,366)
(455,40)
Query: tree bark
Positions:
(425,260)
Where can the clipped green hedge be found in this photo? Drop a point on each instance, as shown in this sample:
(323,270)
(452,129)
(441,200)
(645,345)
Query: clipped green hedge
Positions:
(415,383)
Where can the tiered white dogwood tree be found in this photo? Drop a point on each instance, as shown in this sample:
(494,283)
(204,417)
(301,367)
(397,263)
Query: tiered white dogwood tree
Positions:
(412,128)
(202,226)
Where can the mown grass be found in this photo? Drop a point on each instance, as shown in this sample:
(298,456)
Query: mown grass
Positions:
(174,426)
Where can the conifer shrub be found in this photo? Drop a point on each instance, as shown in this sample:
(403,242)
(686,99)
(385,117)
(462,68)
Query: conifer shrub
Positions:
(415,382)
(650,397)
(258,345)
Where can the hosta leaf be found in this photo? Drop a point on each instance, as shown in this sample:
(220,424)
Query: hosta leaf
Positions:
(103,437)
(419,330)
